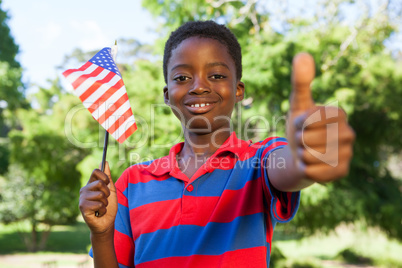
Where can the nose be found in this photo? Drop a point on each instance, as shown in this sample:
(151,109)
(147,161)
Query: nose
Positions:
(199,87)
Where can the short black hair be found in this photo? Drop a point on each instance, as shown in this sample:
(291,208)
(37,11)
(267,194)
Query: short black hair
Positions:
(204,29)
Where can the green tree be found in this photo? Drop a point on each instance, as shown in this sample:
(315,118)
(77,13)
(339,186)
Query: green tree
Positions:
(42,185)
(8,47)
(354,67)
(11,87)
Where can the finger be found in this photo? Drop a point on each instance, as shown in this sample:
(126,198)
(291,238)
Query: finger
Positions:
(324,173)
(320,116)
(89,207)
(330,157)
(331,134)
(107,172)
(97,174)
(303,72)
(106,169)
(97,196)
(96,186)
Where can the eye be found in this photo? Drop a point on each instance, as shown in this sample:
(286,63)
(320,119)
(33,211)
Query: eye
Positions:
(218,76)
(181,78)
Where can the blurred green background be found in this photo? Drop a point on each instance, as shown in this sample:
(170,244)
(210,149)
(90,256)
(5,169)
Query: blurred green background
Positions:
(48,150)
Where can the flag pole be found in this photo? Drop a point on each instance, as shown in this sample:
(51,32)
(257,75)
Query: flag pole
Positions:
(105,144)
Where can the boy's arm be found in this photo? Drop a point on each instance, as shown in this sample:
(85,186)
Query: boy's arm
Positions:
(103,249)
(320,139)
(99,195)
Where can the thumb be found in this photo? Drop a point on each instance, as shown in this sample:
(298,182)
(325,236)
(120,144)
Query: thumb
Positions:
(108,173)
(303,72)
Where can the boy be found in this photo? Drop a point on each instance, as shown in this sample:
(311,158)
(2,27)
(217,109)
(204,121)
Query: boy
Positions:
(215,199)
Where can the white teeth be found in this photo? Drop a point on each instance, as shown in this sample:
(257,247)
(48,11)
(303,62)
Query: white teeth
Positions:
(199,105)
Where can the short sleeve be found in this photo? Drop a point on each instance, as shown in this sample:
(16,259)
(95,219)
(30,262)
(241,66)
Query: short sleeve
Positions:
(123,241)
(123,238)
(283,205)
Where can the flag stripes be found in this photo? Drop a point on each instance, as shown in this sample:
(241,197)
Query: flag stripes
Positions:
(101,89)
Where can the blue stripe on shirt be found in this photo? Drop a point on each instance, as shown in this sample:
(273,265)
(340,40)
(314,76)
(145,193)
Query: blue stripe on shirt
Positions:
(153,191)
(213,239)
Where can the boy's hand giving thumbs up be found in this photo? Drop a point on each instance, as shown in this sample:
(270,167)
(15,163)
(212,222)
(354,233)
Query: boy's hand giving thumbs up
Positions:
(319,136)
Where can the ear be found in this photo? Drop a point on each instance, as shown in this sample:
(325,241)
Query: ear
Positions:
(239,91)
(166,95)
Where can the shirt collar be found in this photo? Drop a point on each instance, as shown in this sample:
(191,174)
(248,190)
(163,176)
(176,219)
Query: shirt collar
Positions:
(233,145)
(169,163)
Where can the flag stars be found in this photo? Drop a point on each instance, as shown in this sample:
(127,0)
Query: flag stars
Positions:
(104,59)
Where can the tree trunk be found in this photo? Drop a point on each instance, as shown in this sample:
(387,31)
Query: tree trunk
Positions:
(44,237)
(34,238)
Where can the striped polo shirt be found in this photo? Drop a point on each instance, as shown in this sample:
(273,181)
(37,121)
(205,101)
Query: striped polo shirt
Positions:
(223,216)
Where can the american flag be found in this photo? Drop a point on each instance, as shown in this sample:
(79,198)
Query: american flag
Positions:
(99,85)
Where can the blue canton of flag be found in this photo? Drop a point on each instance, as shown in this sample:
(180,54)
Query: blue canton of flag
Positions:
(104,59)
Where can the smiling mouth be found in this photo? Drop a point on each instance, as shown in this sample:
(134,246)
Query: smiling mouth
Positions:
(199,105)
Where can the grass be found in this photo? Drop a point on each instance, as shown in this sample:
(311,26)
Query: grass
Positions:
(62,239)
(348,244)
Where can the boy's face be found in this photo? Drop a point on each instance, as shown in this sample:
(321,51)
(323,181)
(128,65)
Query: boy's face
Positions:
(202,88)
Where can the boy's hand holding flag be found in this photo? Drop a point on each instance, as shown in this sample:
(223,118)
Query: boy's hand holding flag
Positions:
(99,85)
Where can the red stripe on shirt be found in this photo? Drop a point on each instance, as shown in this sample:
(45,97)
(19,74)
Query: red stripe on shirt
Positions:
(124,246)
(232,202)
(165,214)
(283,209)
(245,258)
(137,175)
(122,199)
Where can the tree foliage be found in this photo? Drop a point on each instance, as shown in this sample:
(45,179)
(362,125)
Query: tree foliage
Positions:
(42,184)
(9,49)
(12,90)
(11,87)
